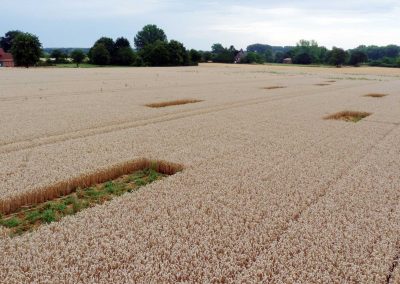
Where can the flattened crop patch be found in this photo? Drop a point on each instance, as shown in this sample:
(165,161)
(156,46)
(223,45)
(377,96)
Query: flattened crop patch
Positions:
(349,116)
(322,84)
(173,103)
(29,211)
(273,87)
(375,95)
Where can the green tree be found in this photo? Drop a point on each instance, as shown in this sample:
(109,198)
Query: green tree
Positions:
(6,41)
(217,48)
(59,56)
(26,49)
(315,53)
(97,55)
(253,57)
(259,48)
(78,56)
(156,54)
(392,50)
(268,56)
(195,56)
(124,56)
(279,56)
(222,54)
(303,58)
(178,56)
(150,34)
(357,57)
(107,42)
(337,56)
(121,42)
(206,56)
(122,53)
(100,55)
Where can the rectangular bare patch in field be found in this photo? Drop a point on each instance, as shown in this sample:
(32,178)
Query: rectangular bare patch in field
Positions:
(173,103)
(350,116)
(63,188)
(274,87)
(26,212)
(375,95)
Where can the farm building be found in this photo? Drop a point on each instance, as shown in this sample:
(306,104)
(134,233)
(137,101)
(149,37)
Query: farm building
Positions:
(6,59)
(287,61)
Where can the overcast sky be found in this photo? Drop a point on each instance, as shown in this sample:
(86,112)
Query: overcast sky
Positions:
(199,24)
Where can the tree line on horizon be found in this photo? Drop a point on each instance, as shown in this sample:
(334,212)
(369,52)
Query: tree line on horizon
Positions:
(152,48)
(309,52)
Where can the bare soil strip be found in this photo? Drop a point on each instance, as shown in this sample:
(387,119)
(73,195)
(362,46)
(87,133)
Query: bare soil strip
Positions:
(274,87)
(375,95)
(172,103)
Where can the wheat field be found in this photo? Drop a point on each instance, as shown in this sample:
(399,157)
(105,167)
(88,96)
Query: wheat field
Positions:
(270,191)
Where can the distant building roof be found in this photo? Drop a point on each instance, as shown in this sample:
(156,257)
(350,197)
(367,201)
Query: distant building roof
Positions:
(6,59)
(287,60)
(5,56)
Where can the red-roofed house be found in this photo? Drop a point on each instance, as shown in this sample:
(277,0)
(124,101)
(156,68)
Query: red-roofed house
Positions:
(6,59)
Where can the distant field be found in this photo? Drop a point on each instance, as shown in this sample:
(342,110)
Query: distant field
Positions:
(286,174)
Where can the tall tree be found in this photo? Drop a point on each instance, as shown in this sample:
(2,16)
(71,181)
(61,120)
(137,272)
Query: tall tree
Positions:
(124,56)
(123,53)
(217,48)
(6,41)
(310,47)
(107,42)
(150,34)
(26,49)
(303,58)
(279,56)
(121,42)
(99,54)
(156,54)
(78,56)
(178,55)
(357,57)
(253,57)
(195,56)
(259,48)
(392,50)
(222,54)
(337,56)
